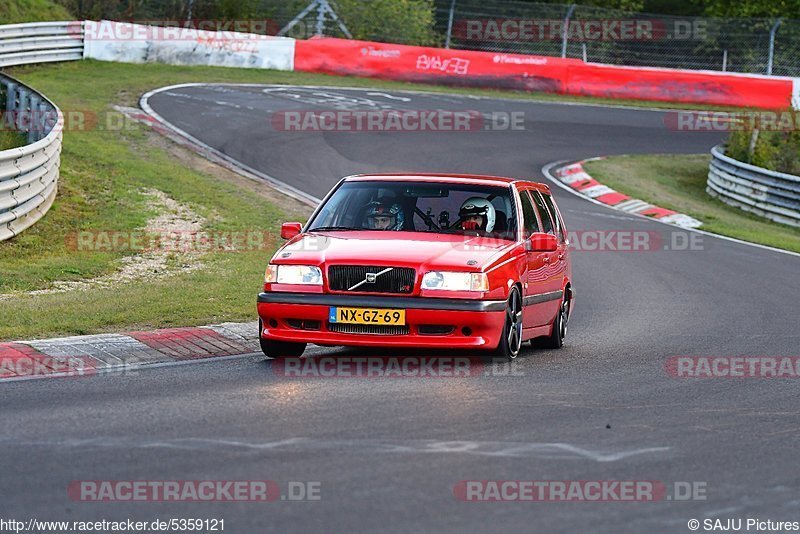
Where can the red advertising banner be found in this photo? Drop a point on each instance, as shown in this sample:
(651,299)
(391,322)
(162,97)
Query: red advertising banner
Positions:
(670,85)
(538,73)
(432,65)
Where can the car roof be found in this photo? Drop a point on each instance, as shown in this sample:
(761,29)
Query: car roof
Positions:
(473,179)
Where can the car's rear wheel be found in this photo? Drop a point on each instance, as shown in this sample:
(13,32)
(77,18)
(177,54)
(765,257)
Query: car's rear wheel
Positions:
(279,349)
(556,338)
(511,339)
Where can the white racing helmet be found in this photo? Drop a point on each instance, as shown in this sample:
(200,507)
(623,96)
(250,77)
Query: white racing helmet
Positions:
(479,206)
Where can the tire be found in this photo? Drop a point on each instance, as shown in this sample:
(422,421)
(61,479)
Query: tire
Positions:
(279,349)
(556,338)
(511,339)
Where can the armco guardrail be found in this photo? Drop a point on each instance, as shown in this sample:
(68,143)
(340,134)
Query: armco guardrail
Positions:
(29,175)
(770,194)
(40,42)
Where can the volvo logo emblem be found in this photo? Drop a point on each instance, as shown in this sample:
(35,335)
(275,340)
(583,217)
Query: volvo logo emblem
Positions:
(370,278)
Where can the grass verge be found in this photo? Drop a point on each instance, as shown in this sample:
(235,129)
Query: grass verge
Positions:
(678,182)
(10,139)
(103,177)
(16,11)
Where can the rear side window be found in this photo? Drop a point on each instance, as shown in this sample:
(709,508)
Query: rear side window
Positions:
(531,225)
(547,220)
(554,213)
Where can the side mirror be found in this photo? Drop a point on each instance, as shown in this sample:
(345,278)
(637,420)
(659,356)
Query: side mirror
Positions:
(290,229)
(541,242)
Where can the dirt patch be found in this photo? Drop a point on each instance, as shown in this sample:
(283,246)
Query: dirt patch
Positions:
(293,209)
(173,218)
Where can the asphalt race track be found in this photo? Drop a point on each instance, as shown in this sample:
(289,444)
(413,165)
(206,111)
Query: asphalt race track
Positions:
(387,452)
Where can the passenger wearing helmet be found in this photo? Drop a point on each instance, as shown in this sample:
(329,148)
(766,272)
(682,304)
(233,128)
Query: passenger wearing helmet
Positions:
(477,214)
(381,215)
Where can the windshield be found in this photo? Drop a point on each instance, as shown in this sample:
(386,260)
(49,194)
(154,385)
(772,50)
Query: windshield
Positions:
(419,207)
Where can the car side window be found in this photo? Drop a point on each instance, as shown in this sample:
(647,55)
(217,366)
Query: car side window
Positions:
(530,223)
(547,221)
(548,200)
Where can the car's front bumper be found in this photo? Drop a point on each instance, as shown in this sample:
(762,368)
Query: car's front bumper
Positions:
(475,323)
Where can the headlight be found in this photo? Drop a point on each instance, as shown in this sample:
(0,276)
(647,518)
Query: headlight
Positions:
(294,274)
(455,281)
(271,276)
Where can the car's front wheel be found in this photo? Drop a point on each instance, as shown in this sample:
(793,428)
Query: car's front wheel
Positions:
(511,339)
(279,349)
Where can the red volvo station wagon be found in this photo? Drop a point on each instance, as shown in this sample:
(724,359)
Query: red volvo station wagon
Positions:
(423,260)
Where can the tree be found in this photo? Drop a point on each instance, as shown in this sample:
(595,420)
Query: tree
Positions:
(392,21)
(753,8)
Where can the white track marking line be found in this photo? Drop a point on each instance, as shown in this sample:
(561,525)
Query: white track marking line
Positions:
(281,186)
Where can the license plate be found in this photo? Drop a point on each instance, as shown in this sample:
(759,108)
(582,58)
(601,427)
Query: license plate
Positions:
(367,316)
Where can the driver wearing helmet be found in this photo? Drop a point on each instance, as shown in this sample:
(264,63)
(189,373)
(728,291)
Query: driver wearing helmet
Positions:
(381,215)
(477,214)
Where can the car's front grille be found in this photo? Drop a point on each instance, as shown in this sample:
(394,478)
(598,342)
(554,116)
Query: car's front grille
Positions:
(371,329)
(396,280)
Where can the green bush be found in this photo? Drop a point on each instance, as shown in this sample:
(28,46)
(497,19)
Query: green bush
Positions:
(774,150)
(390,21)
(13,11)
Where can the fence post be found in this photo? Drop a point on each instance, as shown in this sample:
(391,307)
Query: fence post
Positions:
(725,60)
(21,108)
(564,33)
(450,24)
(11,97)
(44,114)
(751,149)
(33,123)
(772,33)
